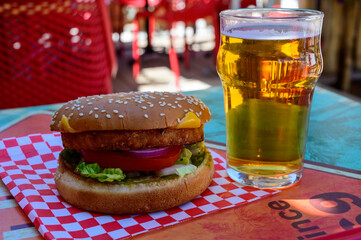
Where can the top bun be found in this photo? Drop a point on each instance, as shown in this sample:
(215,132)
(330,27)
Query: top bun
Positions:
(129,111)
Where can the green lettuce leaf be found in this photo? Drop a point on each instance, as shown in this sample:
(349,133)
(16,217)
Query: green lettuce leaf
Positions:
(185,170)
(93,170)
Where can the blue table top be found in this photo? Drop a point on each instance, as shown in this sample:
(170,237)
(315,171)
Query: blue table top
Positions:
(334,135)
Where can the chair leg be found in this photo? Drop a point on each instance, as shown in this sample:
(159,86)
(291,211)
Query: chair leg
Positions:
(173,59)
(135,49)
(151,29)
(186,56)
(120,29)
(174,65)
(186,51)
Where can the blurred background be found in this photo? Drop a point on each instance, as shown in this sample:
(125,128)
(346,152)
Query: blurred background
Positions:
(341,45)
(55,51)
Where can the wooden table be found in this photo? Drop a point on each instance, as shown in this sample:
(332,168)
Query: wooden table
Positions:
(333,170)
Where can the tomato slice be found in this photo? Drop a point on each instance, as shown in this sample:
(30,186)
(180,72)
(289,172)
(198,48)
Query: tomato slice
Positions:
(129,161)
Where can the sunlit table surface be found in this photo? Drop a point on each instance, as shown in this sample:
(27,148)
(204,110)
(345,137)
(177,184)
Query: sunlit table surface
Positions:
(334,135)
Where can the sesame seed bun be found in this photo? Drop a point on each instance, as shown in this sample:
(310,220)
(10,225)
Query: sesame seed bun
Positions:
(122,198)
(129,111)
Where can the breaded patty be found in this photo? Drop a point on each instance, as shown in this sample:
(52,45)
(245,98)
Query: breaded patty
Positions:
(129,140)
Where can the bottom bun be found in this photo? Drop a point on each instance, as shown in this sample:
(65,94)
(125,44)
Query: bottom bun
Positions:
(126,198)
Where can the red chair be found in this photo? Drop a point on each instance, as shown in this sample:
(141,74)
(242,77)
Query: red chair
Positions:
(118,18)
(54,51)
(172,11)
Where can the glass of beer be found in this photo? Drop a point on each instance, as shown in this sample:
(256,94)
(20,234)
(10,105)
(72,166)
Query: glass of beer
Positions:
(269,62)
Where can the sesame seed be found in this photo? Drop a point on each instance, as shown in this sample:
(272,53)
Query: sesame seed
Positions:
(186,110)
(175,101)
(108,116)
(178,120)
(71,114)
(151,105)
(146,115)
(162,114)
(162,98)
(144,107)
(115,111)
(66,107)
(173,107)
(125,102)
(120,116)
(179,105)
(96,115)
(82,106)
(78,108)
(81,114)
(73,108)
(103,111)
(90,103)
(169,104)
(90,112)
(95,109)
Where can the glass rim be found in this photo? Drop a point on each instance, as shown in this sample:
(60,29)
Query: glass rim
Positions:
(311,14)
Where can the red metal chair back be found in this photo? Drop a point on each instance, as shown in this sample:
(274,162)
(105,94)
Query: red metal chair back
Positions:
(137,3)
(131,3)
(54,51)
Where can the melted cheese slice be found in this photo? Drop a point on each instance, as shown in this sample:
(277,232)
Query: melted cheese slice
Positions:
(190,121)
(64,125)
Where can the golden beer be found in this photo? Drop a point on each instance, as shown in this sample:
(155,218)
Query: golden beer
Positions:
(268,81)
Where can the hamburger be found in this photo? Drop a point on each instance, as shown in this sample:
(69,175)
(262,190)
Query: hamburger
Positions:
(135,152)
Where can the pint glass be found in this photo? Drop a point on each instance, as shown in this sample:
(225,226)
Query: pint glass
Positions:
(269,62)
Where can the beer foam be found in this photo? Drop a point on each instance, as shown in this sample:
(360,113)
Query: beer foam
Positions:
(268,32)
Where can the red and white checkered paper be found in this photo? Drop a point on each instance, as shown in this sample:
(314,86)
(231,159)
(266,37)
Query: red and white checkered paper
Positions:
(27,167)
